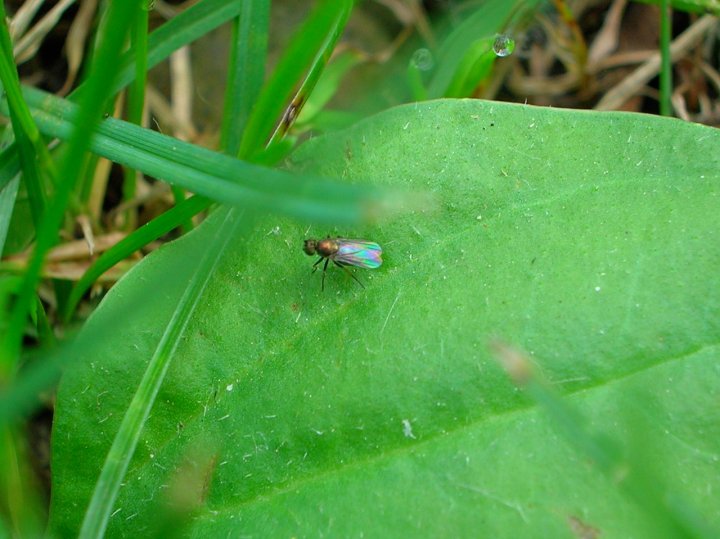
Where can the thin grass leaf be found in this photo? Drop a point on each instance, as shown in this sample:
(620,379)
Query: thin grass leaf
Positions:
(475,67)
(246,70)
(126,439)
(298,70)
(193,23)
(490,18)
(136,96)
(8,194)
(210,174)
(136,92)
(179,197)
(328,85)
(33,152)
(97,91)
(18,498)
(666,60)
(137,239)
(46,337)
(31,172)
(9,173)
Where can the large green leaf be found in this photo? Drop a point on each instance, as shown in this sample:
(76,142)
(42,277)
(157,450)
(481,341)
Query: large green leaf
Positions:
(588,239)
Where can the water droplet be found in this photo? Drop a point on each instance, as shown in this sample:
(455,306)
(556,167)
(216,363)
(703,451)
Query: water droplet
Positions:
(423,60)
(503,45)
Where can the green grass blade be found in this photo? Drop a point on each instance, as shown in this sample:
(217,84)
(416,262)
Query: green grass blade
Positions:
(294,77)
(97,91)
(126,439)
(31,173)
(665,59)
(179,197)
(8,194)
(150,231)
(9,183)
(210,174)
(490,18)
(475,67)
(19,500)
(191,24)
(136,95)
(29,144)
(328,85)
(246,70)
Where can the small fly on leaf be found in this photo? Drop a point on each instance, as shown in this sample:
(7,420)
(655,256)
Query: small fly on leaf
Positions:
(344,252)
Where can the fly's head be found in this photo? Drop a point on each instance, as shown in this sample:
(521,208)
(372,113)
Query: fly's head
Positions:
(310,247)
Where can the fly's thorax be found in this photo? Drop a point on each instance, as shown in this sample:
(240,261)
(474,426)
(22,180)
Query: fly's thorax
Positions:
(327,247)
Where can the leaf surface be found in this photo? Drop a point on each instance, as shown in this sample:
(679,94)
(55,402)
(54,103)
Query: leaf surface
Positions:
(590,240)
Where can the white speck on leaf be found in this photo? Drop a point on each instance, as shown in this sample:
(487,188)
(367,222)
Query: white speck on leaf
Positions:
(229,387)
(407,429)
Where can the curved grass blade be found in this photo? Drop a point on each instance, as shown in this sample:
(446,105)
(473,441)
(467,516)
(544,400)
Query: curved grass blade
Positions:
(34,156)
(246,70)
(8,193)
(475,67)
(136,97)
(126,439)
(140,237)
(490,18)
(189,25)
(327,86)
(665,59)
(294,77)
(210,174)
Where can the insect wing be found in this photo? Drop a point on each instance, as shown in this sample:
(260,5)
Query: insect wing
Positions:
(361,253)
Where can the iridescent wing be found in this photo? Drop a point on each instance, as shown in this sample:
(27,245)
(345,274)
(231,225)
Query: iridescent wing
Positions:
(361,253)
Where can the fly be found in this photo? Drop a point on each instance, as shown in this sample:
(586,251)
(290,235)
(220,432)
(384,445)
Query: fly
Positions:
(344,252)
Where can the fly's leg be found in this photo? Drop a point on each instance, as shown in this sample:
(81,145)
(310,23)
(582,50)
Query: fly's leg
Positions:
(322,286)
(315,265)
(350,273)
